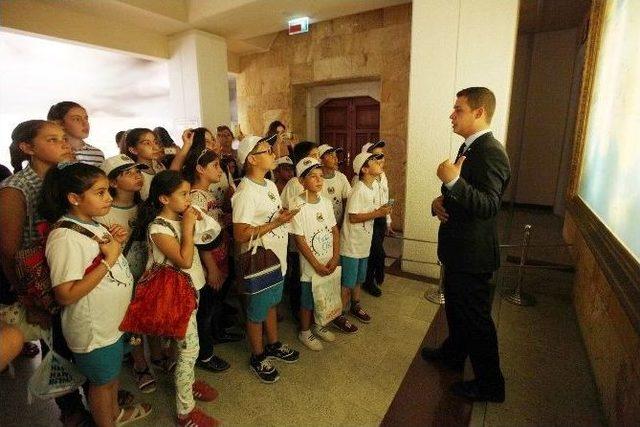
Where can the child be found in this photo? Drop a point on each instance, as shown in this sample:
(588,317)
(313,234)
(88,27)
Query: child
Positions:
(205,172)
(172,226)
(289,196)
(43,145)
(381,226)
(257,214)
(336,185)
(169,148)
(74,120)
(283,172)
(318,240)
(91,279)
(142,146)
(356,237)
(125,182)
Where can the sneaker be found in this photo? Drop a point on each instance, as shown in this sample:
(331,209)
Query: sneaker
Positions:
(343,324)
(203,391)
(197,418)
(214,364)
(323,333)
(281,352)
(357,312)
(310,340)
(267,373)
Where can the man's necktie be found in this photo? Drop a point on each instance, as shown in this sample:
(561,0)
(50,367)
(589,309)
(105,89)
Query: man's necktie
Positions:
(460,151)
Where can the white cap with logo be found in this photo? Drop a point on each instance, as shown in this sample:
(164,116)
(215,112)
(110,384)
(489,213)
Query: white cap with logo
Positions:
(360,160)
(247,145)
(306,165)
(326,148)
(370,146)
(284,160)
(122,162)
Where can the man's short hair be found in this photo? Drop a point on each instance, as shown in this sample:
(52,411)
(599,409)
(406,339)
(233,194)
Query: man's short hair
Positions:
(480,97)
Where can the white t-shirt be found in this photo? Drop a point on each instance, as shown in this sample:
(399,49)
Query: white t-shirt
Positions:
(290,193)
(92,322)
(315,222)
(337,189)
(147,177)
(257,204)
(355,239)
(206,230)
(381,186)
(205,200)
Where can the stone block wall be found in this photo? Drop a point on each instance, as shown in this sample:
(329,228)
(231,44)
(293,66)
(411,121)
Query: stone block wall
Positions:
(612,344)
(374,45)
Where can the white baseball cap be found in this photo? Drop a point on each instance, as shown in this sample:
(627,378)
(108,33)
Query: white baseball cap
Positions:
(247,145)
(361,159)
(306,165)
(326,148)
(370,146)
(121,162)
(284,160)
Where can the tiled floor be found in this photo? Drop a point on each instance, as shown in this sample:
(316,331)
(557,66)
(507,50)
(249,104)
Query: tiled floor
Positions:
(351,382)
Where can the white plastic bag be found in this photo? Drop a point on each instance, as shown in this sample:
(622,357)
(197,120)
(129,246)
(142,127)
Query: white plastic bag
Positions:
(54,377)
(326,297)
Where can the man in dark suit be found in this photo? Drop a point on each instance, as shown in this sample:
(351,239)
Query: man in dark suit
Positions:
(472,188)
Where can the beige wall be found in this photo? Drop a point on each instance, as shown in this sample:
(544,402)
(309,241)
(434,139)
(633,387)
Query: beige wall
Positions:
(452,47)
(371,45)
(612,344)
(539,113)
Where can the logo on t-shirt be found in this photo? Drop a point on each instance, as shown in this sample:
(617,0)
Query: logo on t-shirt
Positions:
(272,196)
(319,217)
(331,190)
(321,242)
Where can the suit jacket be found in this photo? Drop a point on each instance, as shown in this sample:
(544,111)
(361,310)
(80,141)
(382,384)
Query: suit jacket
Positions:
(468,241)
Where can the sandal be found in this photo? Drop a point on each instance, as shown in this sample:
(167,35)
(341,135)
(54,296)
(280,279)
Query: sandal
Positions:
(166,364)
(125,398)
(139,411)
(145,380)
(30,350)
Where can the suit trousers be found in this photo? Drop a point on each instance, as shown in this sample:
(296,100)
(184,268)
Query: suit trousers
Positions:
(375,266)
(471,329)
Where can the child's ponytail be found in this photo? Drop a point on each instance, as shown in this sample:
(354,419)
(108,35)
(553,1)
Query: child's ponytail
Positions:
(24,132)
(59,182)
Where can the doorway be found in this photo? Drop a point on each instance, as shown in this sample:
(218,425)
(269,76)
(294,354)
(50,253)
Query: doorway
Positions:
(349,123)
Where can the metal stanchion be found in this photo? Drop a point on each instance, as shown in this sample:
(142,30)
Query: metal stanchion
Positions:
(437,297)
(515,295)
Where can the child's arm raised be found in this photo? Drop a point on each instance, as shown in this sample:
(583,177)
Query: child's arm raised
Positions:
(181,155)
(71,292)
(179,253)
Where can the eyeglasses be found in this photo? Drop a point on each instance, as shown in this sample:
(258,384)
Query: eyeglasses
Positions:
(267,151)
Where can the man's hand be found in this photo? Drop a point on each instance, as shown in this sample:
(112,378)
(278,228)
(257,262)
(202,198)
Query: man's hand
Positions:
(437,206)
(447,171)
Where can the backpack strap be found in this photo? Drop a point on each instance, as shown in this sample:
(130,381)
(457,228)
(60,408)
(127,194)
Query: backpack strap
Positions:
(78,228)
(165,223)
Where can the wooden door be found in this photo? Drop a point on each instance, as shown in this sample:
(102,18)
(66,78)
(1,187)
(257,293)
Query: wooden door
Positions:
(349,123)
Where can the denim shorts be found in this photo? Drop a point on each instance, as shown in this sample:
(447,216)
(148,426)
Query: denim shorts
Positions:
(259,304)
(354,271)
(103,364)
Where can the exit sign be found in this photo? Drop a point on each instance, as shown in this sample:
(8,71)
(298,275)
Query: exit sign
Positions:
(297,26)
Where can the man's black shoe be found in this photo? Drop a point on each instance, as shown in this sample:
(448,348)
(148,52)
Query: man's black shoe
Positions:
(372,289)
(474,391)
(215,364)
(437,355)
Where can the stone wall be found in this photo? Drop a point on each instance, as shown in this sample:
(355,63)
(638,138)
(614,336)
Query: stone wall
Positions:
(612,344)
(369,46)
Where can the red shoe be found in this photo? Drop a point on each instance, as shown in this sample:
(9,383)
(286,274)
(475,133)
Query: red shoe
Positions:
(197,418)
(204,392)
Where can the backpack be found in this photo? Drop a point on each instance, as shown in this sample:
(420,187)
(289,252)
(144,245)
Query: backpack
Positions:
(34,288)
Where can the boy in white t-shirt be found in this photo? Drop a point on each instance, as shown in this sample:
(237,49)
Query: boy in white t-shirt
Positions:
(318,240)
(356,237)
(257,213)
(336,186)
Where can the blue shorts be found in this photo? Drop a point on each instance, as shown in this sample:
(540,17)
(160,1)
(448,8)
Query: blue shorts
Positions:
(259,304)
(306,296)
(354,271)
(103,364)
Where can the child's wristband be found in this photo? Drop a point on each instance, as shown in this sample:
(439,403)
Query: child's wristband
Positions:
(106,264)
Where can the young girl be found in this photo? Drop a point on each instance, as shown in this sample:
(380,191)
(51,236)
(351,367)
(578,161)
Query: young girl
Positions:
(43,145)
(125,182)
(142,146)
(74,120)
(91,279)
(172,226)
(202,174)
